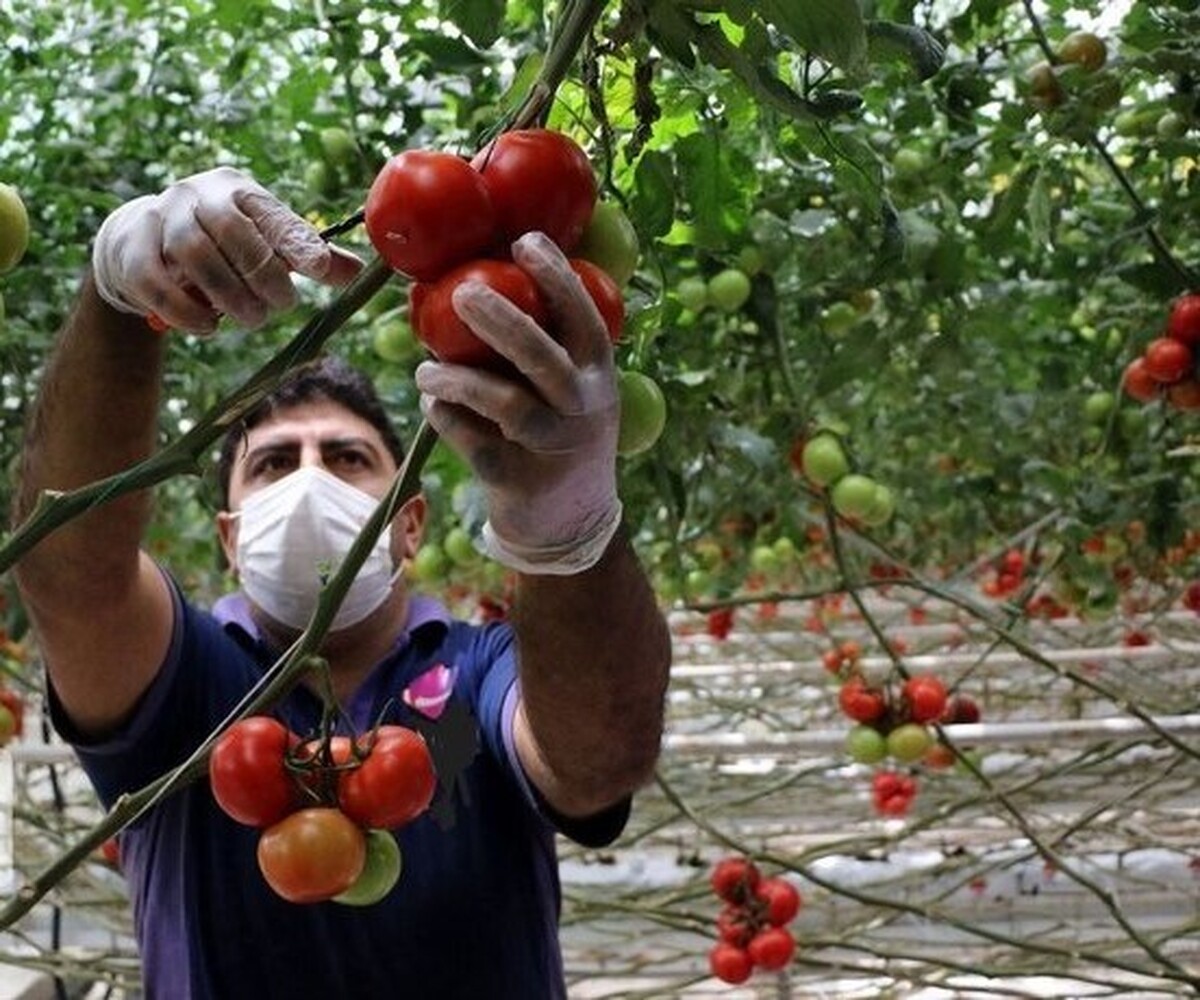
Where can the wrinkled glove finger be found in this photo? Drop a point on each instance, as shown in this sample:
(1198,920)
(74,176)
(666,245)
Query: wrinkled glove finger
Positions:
(159,289)
(477,440)
(192,252)
(519,415)
(575,319)
(514,334)
(294,240)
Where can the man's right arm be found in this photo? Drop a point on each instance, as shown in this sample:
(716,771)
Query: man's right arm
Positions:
(100,607)
(213,244)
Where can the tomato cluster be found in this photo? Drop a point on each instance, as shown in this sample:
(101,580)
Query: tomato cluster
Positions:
(896,723)
(326,807)
(443,220)
(1006,575)
(1166,368)
(12,715)
(752,925)
(854,496)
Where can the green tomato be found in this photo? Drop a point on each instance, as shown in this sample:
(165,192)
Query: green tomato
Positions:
(838,317)
(1084,49)
(785,549)
(698,583)
(854,496)
(908,163)
(1098,406)
(610,242)
(1171,125)
(338,147)
(381,871)
(395,342)
(866,744)
(763,559)
(14,228)
(824,460)
(430,564)
(459,547)
(908,742)
(692,293)
(643,412)
(728,290)
(882,507)
(750,259)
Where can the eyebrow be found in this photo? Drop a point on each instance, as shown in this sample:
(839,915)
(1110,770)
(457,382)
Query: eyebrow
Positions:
(291,445)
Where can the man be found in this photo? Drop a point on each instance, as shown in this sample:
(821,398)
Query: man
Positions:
(565,703)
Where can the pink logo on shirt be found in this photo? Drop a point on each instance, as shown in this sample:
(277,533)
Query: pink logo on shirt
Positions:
(429,693)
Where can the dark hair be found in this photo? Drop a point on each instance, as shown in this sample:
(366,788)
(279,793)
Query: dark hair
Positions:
(328,378)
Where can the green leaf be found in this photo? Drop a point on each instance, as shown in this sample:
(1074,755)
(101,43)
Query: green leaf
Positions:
(653,200)
(831,29)
(480,20)
(1039,210)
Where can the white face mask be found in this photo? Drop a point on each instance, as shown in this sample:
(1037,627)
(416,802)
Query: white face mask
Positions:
(291,539)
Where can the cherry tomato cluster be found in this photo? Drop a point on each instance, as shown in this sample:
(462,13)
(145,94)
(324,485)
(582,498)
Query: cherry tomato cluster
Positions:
(752,925)
(1007,574)
(854,496)
(443,220)
(1167,369)
(326,807)
(895,723)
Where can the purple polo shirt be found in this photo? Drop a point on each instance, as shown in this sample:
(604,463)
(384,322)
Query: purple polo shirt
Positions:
(475,913)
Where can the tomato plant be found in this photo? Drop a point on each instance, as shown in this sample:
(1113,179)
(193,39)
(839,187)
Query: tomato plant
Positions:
(249,774)
(428,211)
(381,871)
(539,180)
(448,337)
(312,854)
(395,782)
(735,925)
(605,293)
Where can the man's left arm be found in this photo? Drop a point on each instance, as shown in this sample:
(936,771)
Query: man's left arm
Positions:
(592,646)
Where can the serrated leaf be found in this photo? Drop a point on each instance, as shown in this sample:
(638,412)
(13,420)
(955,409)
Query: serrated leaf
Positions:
(888,40)
(480,20)
(831,29)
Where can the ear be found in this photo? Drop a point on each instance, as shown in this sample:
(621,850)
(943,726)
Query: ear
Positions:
(227,526)
(408,528)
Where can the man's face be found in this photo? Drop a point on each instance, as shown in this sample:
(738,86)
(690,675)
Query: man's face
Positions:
(325,434)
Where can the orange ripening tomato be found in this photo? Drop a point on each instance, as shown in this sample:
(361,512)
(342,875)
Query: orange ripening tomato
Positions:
(312,855)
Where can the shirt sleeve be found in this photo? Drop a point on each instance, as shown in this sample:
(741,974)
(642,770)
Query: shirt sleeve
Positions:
(499,696)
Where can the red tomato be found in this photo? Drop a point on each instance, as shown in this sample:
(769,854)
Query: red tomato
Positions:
(318,767)
(605,293)
(428,211)
(394,784)
(1138,383)
(780,900)
(925,697)
(249,773)
(961,709)
(734,879)
(735,925)
(311,855)
(1183,324)
(1191,596)
(772,948)
(719,623)
(539,180)
(1185,395)
(439,327)
(1167,360)
(729,963)
(861,703)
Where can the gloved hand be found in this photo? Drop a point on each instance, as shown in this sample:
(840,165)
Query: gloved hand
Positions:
(544,449)
(216,242)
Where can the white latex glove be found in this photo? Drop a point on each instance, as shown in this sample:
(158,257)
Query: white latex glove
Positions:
(213,243)
(544,450)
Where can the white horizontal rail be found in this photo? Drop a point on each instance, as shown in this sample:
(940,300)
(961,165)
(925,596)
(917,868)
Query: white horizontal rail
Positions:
(975,734)
(958,658)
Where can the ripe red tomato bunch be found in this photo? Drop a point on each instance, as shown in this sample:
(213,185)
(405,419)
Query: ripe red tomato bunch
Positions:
(1007,575)
(1167,367)
(327,807)
(752,925)
(442,220)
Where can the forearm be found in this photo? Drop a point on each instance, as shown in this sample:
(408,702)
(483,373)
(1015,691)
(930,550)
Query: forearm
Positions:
(594,655)
(95,414)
